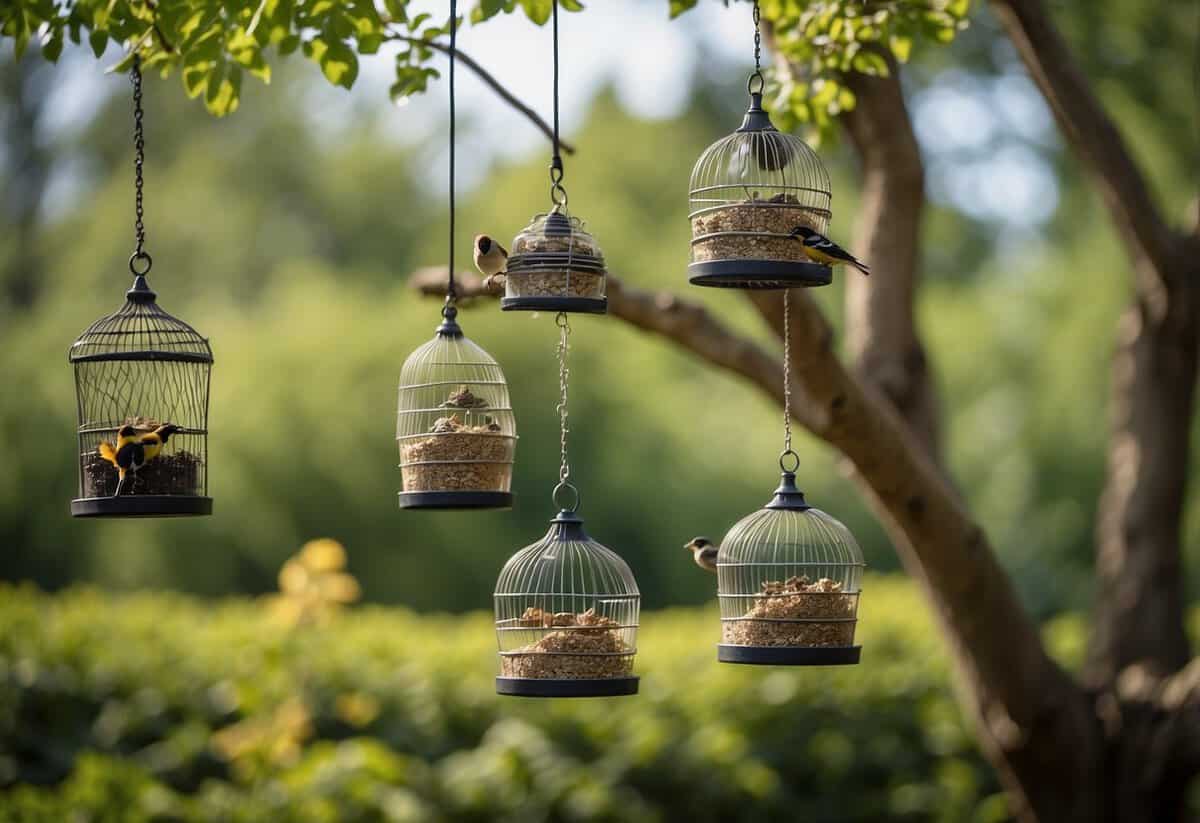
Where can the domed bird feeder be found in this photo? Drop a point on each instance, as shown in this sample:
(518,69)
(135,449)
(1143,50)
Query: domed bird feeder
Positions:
(555,265)
(136,371)
(455,425)
(789,578)
(566,617)
(748,194)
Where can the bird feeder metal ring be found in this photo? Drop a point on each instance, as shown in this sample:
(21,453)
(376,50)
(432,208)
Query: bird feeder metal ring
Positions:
(576,496)
(789,455)
(761,83)
(140,258)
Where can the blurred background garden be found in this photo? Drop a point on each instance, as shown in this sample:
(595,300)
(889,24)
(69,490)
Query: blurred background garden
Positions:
(148,670)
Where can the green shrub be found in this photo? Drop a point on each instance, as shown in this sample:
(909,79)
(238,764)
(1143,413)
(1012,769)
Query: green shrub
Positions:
(159,707)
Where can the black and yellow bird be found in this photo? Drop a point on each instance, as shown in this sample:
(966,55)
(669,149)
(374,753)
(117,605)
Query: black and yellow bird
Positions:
(821,249)
(135,449)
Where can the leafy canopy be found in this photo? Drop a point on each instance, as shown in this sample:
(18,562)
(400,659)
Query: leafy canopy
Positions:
(214,43)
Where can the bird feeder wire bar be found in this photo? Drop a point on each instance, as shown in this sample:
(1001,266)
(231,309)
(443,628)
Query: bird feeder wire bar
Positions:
(451,291)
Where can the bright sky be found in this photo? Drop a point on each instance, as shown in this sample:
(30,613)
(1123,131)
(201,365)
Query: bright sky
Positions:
(981,137)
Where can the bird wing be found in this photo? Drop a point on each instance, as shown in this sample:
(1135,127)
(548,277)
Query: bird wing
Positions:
(826,246)
(503,251)
(151,444)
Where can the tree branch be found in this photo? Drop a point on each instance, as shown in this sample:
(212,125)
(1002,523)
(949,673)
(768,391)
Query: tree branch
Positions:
(689,324)
(486,76)
(1089,130)
(1023,698)
(881,328)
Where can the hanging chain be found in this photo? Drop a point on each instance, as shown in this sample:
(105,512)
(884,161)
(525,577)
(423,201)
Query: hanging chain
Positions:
(787,390)
(139,261)
(451,290)
(564,375)
(558,195)
(758,75)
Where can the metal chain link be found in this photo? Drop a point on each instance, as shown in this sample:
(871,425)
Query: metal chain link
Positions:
(564,375)
(139,258)
(757,75)
(787,389)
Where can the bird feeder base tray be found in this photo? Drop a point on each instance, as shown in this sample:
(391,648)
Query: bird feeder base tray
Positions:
(456,500)
(150,505)
(575,305)
(759,274)
(536,687)
(789,655)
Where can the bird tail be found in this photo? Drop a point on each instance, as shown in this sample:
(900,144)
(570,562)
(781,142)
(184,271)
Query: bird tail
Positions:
(108,452)
(861,266)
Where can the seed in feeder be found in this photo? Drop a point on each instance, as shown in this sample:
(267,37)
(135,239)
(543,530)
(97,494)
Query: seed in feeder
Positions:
(796,612)
(464,399)
(581,646)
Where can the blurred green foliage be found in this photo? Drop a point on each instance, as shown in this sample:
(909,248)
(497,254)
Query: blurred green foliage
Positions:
(156,707)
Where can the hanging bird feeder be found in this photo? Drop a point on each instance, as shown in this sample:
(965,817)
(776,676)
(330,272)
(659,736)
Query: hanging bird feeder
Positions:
(555,264)
(141,381)
(455,426)
(788,575)
(566,606)
(748,195)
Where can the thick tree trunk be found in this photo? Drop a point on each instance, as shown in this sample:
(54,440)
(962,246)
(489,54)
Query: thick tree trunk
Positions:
(1139,600)
(881,328)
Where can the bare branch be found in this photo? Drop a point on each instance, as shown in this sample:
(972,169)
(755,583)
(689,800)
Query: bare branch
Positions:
(486,76)
(1089,130)
(689,324)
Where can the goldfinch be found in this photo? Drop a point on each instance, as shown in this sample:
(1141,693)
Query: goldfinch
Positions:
(821,249)
(135,449)
(704,553)
(490,257)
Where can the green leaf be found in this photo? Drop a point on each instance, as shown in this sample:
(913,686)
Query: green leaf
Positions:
(52,46)
(224,89)
(99,42)
(338,62)
(369,43)
(289,44)
(901,47)
(537,10)
(870,63)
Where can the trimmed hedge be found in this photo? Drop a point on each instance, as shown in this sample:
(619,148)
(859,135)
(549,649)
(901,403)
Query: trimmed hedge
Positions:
(159,707)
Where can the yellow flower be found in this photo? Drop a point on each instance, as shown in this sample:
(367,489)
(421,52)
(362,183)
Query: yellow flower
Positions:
(323,555)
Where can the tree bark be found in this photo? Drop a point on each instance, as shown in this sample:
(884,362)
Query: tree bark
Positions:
(881,332)
(1139,614)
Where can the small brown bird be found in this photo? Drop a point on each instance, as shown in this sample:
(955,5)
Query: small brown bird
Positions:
(490,257)
(703,552)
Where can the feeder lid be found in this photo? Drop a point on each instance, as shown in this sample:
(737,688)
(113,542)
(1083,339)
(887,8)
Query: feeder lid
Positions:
(555,237)
(140,330)
(787,496)
(757,118)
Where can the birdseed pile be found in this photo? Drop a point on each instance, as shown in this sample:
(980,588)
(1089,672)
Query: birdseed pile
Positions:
(562,283)
(795,599)
(581,647)
(176,472)
(778,215)
(458,455)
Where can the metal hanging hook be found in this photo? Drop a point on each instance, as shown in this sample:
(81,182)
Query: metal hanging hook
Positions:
(564,375)
(139,262)
(756,83)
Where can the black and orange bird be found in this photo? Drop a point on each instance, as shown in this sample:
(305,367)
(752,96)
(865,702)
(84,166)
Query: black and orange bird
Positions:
(135,449)
(820,249)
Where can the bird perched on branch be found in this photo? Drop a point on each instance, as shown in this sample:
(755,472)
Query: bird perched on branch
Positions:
(490,257)
(821,249)
(703,552)
(135,449)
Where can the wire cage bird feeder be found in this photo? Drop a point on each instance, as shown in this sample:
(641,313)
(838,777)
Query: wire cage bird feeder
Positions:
(143,368)
(566,617)
(748,194)
(455,425)
(555,265)
(789,578)
(141,382)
